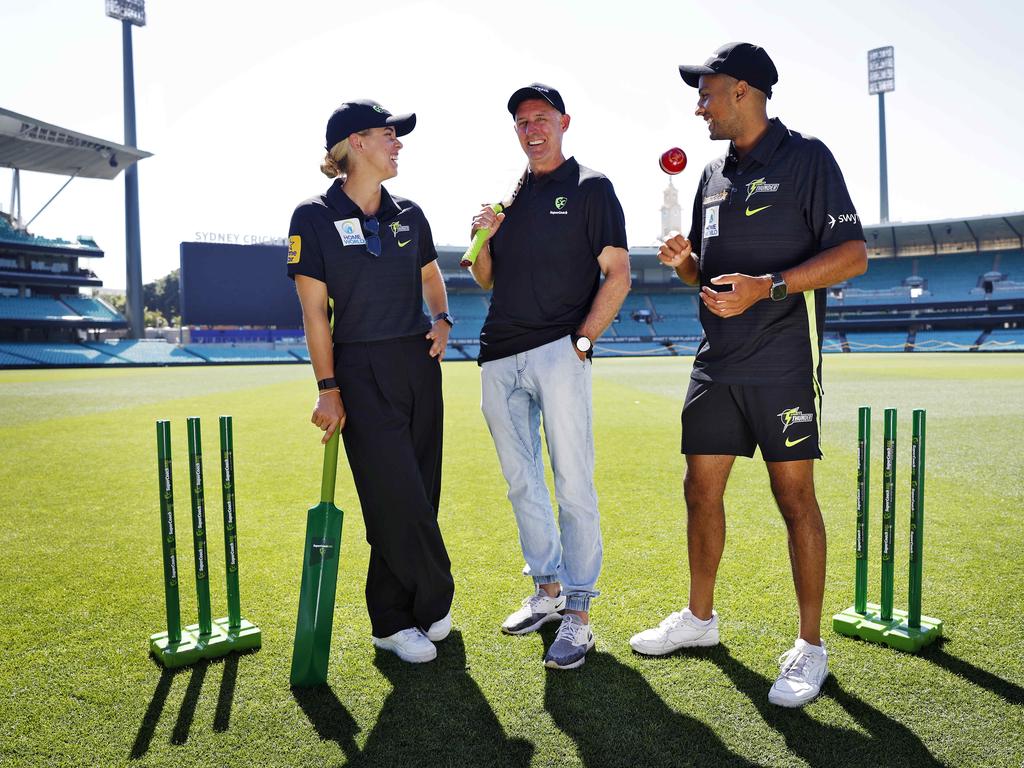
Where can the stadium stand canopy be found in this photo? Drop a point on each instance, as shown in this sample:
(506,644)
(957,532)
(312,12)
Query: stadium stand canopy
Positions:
(29,144)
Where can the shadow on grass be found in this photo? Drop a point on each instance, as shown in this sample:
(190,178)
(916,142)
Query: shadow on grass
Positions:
(187,712)
(616,718)
(938,655)
(436,715)
(329,717)
(887,741)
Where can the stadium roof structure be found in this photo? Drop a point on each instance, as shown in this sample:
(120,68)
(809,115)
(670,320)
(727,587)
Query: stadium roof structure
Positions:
(915,238)
(29,144)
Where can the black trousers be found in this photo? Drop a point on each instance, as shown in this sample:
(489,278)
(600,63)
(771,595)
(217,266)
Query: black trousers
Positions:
(393,434)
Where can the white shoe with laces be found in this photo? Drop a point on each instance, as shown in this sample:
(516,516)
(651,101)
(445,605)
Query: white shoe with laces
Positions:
(538,609)
(802,672)
(409,645)
(678,630)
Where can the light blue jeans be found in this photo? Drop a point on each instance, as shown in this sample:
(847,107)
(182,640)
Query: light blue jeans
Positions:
(550,382)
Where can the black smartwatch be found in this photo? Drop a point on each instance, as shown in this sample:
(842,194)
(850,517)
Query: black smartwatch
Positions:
(779,290)
(446,317)
(325,384)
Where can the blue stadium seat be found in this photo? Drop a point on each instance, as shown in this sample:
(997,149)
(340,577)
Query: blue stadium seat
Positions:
(894,341)
(94,309)
(34,308)
(216,353)
(147,351)
(1009,339)
(945,341)
(61,354)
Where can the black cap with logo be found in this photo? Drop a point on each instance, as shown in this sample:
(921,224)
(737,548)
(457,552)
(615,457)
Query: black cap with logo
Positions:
(354,116)
(744,61)
(536,91)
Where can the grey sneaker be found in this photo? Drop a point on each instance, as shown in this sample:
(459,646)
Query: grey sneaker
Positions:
(538,609)
(571,644)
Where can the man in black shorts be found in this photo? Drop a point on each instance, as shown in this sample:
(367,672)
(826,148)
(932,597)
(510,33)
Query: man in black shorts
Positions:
(773,226)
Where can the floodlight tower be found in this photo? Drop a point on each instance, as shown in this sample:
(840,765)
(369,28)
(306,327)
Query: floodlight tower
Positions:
(881,80)
(131,13)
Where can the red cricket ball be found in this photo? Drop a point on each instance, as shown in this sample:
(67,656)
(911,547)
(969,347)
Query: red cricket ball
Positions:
(673,161)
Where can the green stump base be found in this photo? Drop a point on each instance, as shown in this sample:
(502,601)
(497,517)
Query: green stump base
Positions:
(895,633)
(192,647)
(245,638)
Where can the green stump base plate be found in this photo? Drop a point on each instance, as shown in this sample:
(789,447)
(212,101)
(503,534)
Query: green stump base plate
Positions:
(246,637)
(192,647)
(896,633)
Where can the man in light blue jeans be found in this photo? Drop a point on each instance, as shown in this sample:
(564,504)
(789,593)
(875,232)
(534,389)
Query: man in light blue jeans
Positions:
(564,231)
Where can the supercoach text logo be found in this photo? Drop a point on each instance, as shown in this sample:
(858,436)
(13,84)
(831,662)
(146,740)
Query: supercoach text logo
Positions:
(760,185)
(560,203)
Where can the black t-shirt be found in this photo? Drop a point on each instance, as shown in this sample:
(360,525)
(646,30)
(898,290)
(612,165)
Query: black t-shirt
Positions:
(374,297)
(544,258)
(785,202)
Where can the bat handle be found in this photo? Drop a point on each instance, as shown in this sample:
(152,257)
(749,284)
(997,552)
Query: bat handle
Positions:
(330,468)
(469,257)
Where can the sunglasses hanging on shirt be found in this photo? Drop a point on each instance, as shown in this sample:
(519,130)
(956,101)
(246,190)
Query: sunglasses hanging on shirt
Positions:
(372,227)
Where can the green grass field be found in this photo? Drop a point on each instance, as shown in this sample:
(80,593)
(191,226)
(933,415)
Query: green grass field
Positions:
(80,586)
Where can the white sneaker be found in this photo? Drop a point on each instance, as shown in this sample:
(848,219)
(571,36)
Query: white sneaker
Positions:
(439,630)
(538,609)
(802,672)
(409,645)
(678,630)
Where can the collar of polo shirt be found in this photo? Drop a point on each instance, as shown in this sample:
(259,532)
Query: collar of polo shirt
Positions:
(765,148)
(343,205)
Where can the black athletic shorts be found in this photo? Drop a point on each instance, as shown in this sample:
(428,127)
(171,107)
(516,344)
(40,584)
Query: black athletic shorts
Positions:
(733,420)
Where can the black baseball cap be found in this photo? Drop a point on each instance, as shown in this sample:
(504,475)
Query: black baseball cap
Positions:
(536,91)
(354,116)
(744,61)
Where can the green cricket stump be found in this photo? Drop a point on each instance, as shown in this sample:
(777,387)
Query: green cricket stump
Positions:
(241,635)
(186,651)
(896,632)
(881,623)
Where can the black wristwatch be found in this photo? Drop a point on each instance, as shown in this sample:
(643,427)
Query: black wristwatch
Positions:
(583,344)
(325,384)
(779,290)
(446,317)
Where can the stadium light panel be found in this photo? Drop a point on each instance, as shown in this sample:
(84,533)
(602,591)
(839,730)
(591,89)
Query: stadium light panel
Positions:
(132,11)
(881,70)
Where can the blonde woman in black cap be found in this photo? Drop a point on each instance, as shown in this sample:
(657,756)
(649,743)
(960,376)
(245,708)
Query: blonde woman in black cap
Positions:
(364,262)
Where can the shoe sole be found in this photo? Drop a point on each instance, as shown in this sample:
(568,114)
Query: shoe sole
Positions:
(702,642)
(404,656)
(556,616)
(794,704)
(552,664)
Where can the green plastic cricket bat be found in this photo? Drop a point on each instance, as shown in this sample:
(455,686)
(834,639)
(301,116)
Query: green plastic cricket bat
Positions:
(319,581)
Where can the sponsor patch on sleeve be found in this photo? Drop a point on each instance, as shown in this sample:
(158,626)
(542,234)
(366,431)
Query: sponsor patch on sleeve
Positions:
(294,249)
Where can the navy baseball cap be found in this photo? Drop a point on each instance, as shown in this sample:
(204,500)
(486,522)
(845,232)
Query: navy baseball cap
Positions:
(744,61)
(536,91)
(354,116)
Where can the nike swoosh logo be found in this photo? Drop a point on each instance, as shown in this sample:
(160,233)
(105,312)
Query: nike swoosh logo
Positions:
(756,210)
(791,443)
(402,245)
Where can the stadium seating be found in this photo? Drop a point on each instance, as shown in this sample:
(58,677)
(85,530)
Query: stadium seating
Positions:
(877,342)
(467,352)
(34,308)
(1010,339)
(91,308)
(61,354)
(945,341)
(148,352)
(623,349)
(215,353)
(7,359)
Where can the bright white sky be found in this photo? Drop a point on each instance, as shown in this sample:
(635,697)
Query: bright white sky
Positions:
(232,98)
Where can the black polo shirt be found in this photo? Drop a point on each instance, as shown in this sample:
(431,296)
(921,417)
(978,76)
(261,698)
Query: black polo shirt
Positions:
(782,204)
(544,258)
(374,298)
